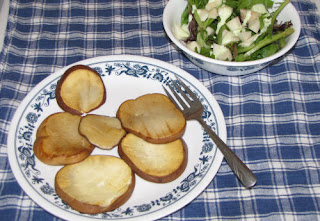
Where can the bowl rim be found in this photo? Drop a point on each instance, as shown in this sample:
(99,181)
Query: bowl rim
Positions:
(273,57)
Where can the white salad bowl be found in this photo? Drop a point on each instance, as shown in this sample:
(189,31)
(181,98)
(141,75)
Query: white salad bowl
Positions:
(172,16)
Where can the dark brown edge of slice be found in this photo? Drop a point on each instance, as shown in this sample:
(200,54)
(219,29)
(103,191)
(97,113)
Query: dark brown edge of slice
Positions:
(59,99)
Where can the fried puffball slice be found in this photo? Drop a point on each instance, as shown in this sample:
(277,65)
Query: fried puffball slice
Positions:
(98,184)
(102,131)
(159,163)
(58,141)
(152,117)
(80,90)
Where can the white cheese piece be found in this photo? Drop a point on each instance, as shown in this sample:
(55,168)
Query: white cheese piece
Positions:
(260,8)
(221,52)
(213,13)
(254,25)
(254,16)
(203,14)
(244,35)
(224,13)
(210,30)
(213,4)
(181,32)
(235,26)
(248,16)
(193,8)
(245,16)
(193,45)
(249,41)
(229,37)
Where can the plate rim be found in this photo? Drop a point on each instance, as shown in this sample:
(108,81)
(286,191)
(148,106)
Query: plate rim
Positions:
(25,185)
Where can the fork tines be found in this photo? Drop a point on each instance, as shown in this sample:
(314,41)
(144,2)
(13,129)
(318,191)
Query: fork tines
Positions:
(186,93)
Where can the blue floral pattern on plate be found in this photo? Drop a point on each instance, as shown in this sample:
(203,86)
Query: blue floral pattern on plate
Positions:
(41,103)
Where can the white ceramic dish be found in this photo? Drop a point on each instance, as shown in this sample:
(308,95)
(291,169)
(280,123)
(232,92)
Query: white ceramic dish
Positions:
(125,77)
(172,14)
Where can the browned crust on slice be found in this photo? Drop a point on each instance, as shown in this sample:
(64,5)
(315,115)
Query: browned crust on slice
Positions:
(58,141)
(61,97)
(152,117)
(145,171)
(87,208)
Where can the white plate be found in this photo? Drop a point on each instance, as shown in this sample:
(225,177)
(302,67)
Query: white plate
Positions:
(125,77)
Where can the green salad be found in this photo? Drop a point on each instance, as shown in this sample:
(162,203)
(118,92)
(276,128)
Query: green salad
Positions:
(233,30)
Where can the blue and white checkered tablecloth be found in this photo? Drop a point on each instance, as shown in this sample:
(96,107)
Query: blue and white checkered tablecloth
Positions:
(272,117)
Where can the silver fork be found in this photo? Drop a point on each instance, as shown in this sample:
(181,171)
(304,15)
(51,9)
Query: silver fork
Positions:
(192,108)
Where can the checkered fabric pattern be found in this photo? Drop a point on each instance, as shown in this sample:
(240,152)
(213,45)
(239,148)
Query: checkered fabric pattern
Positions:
(272,117)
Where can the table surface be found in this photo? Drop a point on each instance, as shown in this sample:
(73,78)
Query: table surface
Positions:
(272,116)
(4,10)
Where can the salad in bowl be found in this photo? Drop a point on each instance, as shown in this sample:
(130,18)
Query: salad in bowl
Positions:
(246,33)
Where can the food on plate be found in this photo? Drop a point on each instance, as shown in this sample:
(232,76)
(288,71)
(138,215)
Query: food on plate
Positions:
(80,90)
(100,183)
(160,163)
(102,131)
(97,184)
(153,117)
(233,30)
(59,142)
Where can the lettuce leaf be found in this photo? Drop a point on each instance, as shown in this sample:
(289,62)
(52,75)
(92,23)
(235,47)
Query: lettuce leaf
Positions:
(247,4)
(198,3)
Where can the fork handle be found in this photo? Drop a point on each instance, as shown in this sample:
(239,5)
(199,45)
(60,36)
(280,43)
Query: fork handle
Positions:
(244,174)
